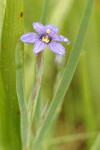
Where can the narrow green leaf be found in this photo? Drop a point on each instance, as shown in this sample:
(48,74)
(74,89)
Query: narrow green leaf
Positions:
(44,12)
(67,75)
(25,132)
(1,15)
(96,145)
(55,17)
(87,103)
(9,108)
(73,138)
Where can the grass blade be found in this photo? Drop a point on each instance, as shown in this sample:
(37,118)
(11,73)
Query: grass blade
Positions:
(67,75)
(44,12)
(25,132)
(2,5)
(73,138)
(96,145)
(9,108)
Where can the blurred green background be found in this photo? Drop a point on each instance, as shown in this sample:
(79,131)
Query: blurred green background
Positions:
(80,111)
(79,115)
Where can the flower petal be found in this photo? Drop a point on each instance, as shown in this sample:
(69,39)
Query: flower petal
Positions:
(39,28)
(57,48)
(60,38)
(53,29)
(29,37)
(58,59)
(39,46)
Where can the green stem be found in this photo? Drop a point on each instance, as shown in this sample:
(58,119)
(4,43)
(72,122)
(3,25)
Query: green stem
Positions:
(73,138)
(89,118)
(39,65)
(44,12)
(34,106)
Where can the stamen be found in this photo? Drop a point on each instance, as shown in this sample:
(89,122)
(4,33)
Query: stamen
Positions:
(48,31)
(46,39)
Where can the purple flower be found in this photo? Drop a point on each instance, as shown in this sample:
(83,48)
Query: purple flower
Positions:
(45,36)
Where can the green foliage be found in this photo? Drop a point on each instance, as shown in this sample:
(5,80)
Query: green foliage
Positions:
(24,123)
(96,145)
(66,108)
(9,107)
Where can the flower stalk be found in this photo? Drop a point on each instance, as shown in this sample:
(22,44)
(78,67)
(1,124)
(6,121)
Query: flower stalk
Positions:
(35,102)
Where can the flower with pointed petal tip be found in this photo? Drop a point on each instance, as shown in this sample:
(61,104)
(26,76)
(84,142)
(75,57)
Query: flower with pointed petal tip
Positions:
(46,36)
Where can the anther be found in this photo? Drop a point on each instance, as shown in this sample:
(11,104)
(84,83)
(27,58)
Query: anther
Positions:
(48,31)
(45,39)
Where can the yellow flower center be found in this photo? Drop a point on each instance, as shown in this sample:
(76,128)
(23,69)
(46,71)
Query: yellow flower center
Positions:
(46,39)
